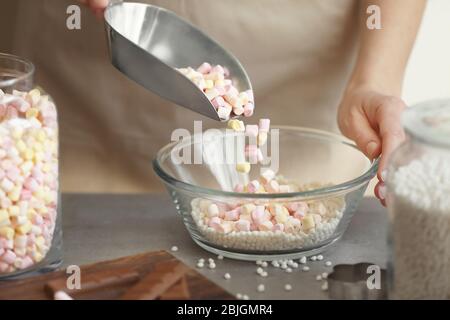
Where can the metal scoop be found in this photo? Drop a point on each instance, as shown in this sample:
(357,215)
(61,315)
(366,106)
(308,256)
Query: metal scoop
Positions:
(147,43)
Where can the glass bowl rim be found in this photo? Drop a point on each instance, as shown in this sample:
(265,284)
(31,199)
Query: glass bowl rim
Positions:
(26,74)
(320,192)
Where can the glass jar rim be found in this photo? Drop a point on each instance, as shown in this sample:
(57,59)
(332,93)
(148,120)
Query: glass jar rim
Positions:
(28,67)
(429,122)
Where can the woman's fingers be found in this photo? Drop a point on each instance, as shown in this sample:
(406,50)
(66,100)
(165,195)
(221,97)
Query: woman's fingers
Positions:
(391,130)
(98,4)
(364,136)
(380,192)
(95,5)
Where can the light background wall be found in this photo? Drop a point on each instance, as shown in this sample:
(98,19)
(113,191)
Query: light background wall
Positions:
(428,73)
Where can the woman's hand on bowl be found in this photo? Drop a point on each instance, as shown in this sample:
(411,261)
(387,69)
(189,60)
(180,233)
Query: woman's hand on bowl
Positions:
(373,121)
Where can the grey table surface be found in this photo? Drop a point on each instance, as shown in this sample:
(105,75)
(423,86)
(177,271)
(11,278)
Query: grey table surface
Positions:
(100,227)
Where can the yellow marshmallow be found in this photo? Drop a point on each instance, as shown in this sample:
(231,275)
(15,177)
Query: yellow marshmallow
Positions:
(21,146)
(236,125)
(41,136)
(25,228)
(281,218)
(308,222)
(35,95)
(32,113)
(247,209)
(26,166)
(262,138)
(38,156)
(209,84)
(37,256)
(14,194)
(14,211)
(20,252)
(261,190)
(48,197)
(42,210)
(46,168)
(219,83)
(4,215)
(40,242)
(39,193)
(7,232)
(28,154)
(38,147)
(31,214)
(17,133)
(244,98)
(243,167)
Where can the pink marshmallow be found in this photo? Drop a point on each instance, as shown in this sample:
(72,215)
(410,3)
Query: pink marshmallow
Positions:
(238,111)
(6,164)
(204,68)
(251,152)
(299,214)
(250,95)
(8,257)
(226,72)
(218,102)
(239,188)
(258,215)
(219,69)
(6,244)
(265,226)
(3,267)
(38,220)
(31,184)
(273,186)
(259,155)
(13,173)
(243,225)
(278,227)
(253,186)
(215,222)
(251,130)
(264,125)
(231,91)
(221,90)
(25,195)
(232,215)
(11,112)
(249,109)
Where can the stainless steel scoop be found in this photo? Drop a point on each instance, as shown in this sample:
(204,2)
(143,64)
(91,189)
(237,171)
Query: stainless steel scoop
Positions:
(147,43)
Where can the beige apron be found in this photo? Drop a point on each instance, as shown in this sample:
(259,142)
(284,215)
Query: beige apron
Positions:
(298,54)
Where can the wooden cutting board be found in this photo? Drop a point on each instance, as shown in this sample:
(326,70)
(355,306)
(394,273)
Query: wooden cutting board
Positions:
(134,268)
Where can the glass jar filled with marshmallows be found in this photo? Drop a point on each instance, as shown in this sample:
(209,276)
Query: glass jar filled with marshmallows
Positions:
(418,198)
(30,233)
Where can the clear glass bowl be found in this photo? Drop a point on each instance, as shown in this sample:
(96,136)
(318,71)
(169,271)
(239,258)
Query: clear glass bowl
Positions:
(331,171)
